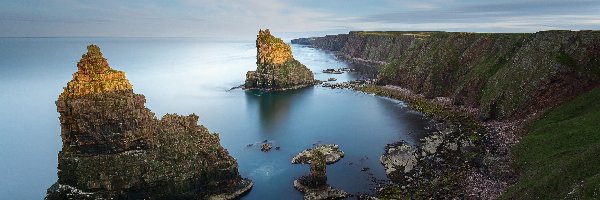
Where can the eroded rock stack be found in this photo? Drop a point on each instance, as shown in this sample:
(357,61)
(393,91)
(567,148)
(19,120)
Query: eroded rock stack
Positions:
(314,186)
(115,148)
(276,67)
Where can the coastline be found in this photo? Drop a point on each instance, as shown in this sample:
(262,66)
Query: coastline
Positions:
(487,170)
(507,84)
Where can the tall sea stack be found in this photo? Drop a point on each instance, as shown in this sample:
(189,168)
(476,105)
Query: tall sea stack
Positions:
(115,148)
(276,67)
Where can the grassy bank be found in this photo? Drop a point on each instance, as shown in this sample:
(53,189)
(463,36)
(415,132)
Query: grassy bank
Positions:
(560,156)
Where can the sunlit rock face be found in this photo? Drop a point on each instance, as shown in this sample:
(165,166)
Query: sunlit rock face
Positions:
(99,113)
(115,148)
(276,67)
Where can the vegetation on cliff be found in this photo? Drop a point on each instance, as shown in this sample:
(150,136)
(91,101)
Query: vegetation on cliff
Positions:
(504,75)
(276,67)
(558,158)
(94,76)
(115,148)
(505,81)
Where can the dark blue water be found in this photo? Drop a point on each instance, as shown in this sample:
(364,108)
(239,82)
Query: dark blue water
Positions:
(192,75)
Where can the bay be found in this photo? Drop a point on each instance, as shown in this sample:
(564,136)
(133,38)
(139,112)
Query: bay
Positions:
(193,75)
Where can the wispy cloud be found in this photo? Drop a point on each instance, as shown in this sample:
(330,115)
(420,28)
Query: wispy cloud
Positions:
(242,18)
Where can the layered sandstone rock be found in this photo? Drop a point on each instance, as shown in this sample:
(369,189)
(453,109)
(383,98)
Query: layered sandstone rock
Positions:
(115,148)
(276,67)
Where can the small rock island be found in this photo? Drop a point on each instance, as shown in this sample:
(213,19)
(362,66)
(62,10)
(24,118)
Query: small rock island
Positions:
(115,148)
(314,186)
(276,67)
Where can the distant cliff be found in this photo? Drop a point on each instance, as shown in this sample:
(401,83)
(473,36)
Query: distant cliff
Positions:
(329,42)
(502,75)
(115,148)
(276,67)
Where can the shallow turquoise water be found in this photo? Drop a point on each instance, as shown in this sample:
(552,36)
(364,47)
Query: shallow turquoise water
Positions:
(192,75)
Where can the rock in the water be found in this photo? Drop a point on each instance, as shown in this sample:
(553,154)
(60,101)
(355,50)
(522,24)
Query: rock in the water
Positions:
(266,147)
(323,192)
(315,184)
(332,154)
(115,148)
(276,67)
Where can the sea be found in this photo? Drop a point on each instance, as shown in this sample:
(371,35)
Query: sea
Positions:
(195,75)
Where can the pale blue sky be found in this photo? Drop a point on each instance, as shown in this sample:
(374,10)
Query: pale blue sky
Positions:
(242,18)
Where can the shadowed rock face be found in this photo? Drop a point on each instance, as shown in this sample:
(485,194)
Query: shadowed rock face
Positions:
(114,147)
(276,67)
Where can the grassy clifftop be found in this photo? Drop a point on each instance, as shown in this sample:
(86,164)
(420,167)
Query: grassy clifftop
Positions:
(559,156)
(508,80)
(502,74)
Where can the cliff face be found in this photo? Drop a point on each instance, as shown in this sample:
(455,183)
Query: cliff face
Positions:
(114,147)
(276,67)
(328,42)
(502,75)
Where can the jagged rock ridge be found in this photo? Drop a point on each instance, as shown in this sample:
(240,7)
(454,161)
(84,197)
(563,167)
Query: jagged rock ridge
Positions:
(276,67)
(115,148)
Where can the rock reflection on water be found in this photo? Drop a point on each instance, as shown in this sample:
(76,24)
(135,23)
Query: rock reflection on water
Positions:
(274,107)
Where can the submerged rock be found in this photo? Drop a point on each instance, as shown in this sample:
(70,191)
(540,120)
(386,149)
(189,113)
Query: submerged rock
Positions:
(115,148)
(314,186)
(266,147)
(276,67)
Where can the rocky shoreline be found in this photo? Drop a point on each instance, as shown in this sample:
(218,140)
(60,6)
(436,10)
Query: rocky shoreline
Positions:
(482,89)
(464,158)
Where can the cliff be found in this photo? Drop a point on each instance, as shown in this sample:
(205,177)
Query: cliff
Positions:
(276,67)
(115,148)
(502,75)
(328,42)
(487,92)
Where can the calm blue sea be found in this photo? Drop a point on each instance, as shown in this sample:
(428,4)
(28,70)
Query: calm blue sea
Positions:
(192,75)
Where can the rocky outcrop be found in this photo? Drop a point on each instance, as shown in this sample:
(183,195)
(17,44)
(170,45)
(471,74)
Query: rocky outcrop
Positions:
(115,148)
(314,186)
(502,75)
(276,67)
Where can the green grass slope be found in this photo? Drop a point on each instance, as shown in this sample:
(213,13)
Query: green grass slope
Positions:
(560,156)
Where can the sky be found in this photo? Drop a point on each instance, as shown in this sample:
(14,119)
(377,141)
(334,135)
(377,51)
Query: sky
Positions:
(243,18)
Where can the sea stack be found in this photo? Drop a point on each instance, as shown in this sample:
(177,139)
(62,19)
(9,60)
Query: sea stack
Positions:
(276,67)
(115,148)
(314,186)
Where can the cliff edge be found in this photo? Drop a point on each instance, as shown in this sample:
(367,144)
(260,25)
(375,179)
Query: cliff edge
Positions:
(495,97)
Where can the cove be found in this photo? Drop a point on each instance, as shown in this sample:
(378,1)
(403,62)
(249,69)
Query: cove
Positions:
(192,75)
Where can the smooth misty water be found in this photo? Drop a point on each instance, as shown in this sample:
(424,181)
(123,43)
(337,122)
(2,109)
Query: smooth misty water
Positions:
(192,76)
